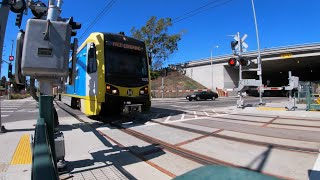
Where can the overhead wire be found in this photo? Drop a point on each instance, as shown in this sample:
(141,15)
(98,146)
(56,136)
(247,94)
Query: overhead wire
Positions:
(194,10)
(181,18)
(97,18)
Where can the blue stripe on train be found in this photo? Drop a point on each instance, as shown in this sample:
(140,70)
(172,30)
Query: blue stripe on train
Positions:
(79,87)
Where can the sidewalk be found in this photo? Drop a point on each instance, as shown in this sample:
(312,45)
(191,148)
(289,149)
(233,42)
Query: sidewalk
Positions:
(15,151)
(275,108)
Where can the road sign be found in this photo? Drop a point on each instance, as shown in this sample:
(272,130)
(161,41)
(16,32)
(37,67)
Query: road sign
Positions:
(11,58)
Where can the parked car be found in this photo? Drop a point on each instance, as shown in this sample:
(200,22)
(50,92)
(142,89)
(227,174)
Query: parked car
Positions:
(202,95)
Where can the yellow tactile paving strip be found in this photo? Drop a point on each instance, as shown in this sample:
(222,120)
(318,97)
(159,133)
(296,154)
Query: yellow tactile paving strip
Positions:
(22,155)
(271,109)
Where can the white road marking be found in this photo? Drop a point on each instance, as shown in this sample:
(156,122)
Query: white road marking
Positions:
(186,120)
(175,106)
(195,114)
(214,111)
(182,116)
(32,111)
(150,123)
(4,115)
(7,111)
(167,119)
(206,113)
(9,108)
(21,110)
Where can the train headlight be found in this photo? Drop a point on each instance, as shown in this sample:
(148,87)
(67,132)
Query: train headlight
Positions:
(112,90)
(143,90)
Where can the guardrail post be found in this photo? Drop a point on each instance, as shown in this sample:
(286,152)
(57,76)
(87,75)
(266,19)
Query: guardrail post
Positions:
(46,112)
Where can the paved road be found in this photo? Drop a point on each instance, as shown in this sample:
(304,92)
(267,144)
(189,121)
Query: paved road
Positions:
(183,104)
(17,110)
(271,143)
(286,147)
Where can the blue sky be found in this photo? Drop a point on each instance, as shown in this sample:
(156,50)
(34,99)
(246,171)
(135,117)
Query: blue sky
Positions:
(281,23)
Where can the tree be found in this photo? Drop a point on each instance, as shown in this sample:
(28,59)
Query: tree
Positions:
(159,43)
(3,81)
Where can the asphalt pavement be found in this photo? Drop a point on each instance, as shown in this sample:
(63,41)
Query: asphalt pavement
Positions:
(17,110)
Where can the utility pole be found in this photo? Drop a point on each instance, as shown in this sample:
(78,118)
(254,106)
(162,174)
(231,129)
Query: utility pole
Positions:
(259,72)
(4,13)
(211,59)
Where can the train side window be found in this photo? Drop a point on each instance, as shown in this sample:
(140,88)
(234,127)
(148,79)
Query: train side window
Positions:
(91,59)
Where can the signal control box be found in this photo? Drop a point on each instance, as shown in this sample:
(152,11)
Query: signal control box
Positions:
(46,49)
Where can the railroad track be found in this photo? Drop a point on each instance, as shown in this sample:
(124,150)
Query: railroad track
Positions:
(191,155)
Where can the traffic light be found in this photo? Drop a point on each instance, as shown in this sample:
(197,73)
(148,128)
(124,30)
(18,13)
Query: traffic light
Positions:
(10,71)
(244,62)
(233,62)
(11,58)
(19,19)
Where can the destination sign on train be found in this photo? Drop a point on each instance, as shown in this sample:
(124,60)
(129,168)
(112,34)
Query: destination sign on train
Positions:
(126,46)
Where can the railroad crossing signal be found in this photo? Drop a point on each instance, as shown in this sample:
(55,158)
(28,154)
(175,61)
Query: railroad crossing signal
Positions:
(11,58)
(233,62)
(245,45)
(244,61)
(234,44)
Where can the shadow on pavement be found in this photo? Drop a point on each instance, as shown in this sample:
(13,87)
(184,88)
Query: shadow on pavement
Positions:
(261,160)
(110,155)
(138,119)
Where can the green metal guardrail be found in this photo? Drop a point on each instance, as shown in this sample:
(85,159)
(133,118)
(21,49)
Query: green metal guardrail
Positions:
(312,101)
(44,164)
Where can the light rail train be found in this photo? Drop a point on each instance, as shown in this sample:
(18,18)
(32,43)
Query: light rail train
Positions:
(111,74)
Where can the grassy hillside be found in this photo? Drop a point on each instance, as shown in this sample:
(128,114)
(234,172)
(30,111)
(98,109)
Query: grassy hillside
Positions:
(176,81)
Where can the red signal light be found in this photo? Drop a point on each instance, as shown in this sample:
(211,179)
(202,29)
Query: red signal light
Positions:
(11,58)
(232,62)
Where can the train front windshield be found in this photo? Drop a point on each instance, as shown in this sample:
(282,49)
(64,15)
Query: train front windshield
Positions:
(126,64)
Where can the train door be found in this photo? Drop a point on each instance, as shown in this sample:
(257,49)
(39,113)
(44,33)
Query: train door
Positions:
(80,72)
(92,75)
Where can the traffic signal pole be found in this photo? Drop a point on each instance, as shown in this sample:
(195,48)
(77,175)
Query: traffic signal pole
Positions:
(240,102)
(4,13)
(9,77)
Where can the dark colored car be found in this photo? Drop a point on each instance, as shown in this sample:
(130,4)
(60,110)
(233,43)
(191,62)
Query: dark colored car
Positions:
(202,95)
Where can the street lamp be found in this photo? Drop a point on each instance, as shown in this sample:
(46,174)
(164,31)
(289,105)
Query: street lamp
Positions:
(211,59)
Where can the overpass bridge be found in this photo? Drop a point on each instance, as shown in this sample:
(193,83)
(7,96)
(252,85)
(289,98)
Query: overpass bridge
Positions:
(302,60)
